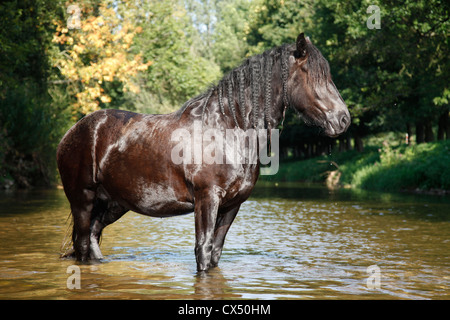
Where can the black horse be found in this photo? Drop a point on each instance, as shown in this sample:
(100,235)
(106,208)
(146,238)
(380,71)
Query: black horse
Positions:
(114,161)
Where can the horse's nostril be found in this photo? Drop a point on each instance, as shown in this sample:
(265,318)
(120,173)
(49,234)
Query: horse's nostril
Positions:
(344,121)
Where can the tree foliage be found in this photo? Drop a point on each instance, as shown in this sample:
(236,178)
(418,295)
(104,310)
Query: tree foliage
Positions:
(179,71)
(31,121)
(392,78)
(95,53)
(152,56)
(229,43)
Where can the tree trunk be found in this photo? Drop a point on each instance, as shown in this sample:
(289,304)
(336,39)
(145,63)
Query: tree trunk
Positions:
(420,133)
(447,132)
(409,133)
(348,143)
(331,146)
(429,135)
(309,151)
(302,151)
(323,148)
(358,143)
(341,144)
(443,125)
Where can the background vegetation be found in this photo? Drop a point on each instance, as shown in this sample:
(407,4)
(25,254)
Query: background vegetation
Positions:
(152,56)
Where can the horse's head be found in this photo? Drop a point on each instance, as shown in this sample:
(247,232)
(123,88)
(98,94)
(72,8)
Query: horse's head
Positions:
(312,92)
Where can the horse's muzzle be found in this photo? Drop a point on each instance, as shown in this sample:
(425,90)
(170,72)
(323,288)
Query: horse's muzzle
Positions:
(337,124)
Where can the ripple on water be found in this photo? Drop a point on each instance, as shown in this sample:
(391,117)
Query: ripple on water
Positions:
(296,244)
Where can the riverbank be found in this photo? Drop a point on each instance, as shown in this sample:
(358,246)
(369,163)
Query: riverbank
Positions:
(385,165)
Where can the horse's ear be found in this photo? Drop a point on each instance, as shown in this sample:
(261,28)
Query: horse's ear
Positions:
(301,46)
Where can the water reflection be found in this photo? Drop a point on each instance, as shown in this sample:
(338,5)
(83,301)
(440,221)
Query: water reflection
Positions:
(429,207)
(288,242)
(212,285)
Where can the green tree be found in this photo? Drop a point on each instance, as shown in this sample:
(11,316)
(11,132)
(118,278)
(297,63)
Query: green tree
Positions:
(32,112)
(178,70)
(272,23)
(95,59)
(229,40)
(25,38)
(392,77)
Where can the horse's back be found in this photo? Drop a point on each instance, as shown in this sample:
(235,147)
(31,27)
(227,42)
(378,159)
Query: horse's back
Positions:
(77,150)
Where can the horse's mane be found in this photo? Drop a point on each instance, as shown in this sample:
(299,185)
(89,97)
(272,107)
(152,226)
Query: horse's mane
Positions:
(256,72)
(318,67)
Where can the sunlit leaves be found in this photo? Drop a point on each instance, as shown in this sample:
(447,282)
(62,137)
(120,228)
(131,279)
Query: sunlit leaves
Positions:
(98,52)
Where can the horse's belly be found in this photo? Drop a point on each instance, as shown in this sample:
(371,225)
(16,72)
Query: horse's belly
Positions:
(165,209)
(159,200)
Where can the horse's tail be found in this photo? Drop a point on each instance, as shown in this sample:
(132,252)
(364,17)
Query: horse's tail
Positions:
(67,249)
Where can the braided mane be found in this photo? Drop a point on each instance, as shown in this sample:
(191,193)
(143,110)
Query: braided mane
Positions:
(256,73)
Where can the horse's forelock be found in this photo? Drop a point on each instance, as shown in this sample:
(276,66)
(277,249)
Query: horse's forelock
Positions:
(318,67)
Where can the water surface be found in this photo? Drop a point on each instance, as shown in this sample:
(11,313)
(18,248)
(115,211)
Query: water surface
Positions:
(290,241)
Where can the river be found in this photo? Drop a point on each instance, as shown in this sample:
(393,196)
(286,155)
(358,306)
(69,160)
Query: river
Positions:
(289,241)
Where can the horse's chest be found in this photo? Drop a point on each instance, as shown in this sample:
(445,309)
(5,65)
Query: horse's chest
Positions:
(239,189)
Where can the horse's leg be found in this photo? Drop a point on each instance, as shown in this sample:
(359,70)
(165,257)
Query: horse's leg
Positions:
(103,214)
(81,212)
(223,224)
(206,206)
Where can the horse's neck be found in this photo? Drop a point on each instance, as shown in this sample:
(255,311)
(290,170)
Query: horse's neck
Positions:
(261,115)
(277,110)
(258,104)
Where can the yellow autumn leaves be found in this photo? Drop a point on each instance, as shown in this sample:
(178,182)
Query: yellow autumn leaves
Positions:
(97,52)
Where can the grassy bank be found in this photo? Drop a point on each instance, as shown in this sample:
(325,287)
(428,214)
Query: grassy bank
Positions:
(386,165)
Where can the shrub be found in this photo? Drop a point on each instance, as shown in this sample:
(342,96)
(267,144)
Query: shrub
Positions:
(31,125)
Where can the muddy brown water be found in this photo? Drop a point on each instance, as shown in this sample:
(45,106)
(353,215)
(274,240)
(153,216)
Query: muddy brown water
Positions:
(290,241)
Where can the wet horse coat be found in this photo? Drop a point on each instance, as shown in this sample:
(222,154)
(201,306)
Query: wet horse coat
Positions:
(114,161)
